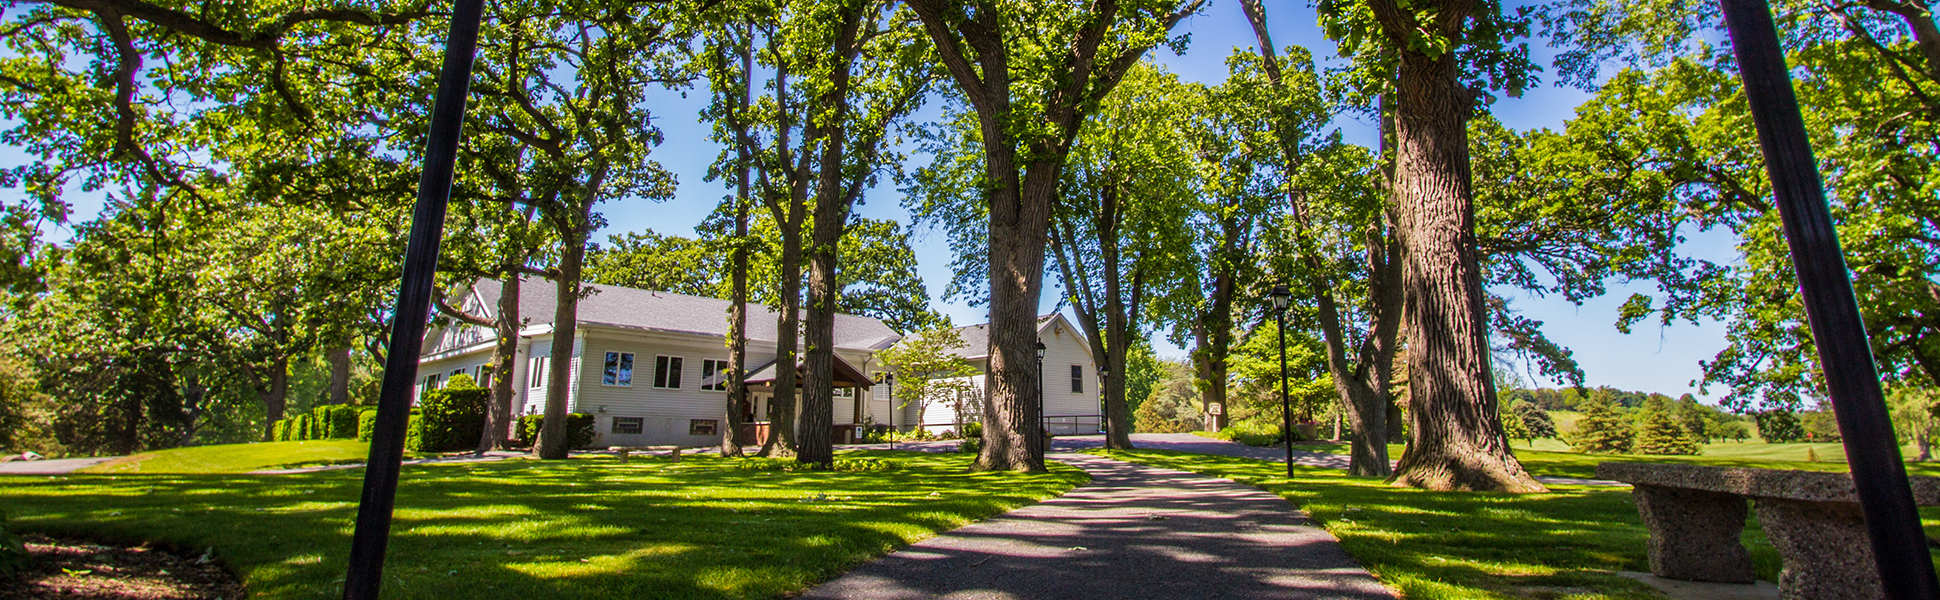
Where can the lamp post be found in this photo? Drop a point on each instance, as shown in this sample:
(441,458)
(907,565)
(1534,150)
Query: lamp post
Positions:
(1038,412)
(1280,296)
(1104,395)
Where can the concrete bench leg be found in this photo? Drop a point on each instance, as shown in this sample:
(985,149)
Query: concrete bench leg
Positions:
(1694,534)
(1827,554)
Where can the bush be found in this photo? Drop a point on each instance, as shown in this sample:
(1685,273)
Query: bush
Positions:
(366,421)
(13,551)
(449,419)
(579,430)
(1252,432)
(972,438)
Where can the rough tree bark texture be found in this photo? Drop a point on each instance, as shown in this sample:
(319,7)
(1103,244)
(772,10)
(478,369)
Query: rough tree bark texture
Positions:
(1109,339)
(831,219)
(554,442)
(1455,439)
(275,392)
(505,358)
(737,337)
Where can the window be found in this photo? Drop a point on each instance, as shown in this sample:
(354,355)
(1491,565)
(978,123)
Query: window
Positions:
(714,369)
(619,369)
(666,372)
(1077,379)
(485,375)
(845,392)
(703,427)
(430,383)
(535,373)
(457,372)
(629,425)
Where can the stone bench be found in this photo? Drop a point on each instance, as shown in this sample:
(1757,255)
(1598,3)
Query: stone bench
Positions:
(1697,513)
(624,451)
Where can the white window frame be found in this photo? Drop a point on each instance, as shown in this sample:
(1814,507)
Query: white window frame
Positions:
(667,371)
(711,367)
(536,371)
(1077,379)
(713,424)
(617,370)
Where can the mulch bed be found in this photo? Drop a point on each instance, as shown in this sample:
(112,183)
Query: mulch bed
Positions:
(74,570)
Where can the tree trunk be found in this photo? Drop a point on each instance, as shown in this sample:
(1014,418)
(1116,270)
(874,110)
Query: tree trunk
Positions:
(831,219)
(1020,217)
(737,386)
(276,393)
(554,441)
(505,359)
(782,438)
(1455,439)
(339,359)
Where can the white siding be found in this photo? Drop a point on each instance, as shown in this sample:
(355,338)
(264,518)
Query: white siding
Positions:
(668,412)
(1066,411)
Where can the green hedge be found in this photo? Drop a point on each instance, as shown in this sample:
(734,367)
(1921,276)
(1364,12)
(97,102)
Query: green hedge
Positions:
(366,419)
(335,421)
(451,419)
(579,427)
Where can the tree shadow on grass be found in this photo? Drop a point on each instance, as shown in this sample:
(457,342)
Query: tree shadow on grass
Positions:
(523,529)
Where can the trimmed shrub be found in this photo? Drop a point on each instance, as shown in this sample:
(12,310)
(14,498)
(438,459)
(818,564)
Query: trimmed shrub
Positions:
(335,421)
(366,419)
(972,438)
(579,430)
(1252,432)
(449,419)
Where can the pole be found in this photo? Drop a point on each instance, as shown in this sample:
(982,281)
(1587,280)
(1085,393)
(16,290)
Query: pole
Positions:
(1037,433)
(373,531)
(1286,406)
(1839,334)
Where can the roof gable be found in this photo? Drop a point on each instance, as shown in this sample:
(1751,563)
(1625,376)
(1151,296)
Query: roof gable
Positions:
(648,310)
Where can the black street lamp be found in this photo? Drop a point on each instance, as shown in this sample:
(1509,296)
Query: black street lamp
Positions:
(1104,393)
(1039,408)
(1280,296)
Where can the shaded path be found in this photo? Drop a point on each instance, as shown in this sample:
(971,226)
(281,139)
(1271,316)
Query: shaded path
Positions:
(1133,532)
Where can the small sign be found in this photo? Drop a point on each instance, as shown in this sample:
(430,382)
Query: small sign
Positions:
(1215,408)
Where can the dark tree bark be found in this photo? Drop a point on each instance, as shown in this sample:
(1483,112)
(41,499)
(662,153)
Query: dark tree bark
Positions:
(574,225)
(738,260)
(971,45)
(275,392)
(831,219)
(789,208)
(1109,338)
(1455,438)
(505,357)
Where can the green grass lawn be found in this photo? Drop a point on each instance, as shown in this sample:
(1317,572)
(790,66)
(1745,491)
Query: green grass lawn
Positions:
(1565,544)
(239,458)
(1556,460)
(581,528)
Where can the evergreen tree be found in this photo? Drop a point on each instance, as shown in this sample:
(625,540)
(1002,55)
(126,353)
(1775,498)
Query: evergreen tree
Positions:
(1662,434)
(1602,430)
(1534,419)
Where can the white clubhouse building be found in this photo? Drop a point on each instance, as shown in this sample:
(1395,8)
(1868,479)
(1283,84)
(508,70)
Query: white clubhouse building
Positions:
(648,366)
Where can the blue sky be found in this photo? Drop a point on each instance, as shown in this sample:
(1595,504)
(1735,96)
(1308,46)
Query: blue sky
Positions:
(1651,359)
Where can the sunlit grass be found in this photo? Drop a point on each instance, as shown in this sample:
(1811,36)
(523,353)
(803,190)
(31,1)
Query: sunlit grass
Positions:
(238,458)
(1566,544)
(1559,462)
(581,528)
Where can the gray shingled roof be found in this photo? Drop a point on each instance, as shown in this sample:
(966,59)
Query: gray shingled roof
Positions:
(976,339)
(631,308)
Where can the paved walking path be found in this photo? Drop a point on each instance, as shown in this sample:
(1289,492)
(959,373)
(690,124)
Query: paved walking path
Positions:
(52,466)
(1133,532)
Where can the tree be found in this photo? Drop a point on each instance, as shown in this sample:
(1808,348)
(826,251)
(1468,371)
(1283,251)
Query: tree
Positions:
(1441,55)
(1032,73)
(1659,433)
(1173,405)
(1602,431)
(926,369)
(1120,219)
(1916,412)
(1780,426)
(651,261)
(1536,422)
(565,128)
